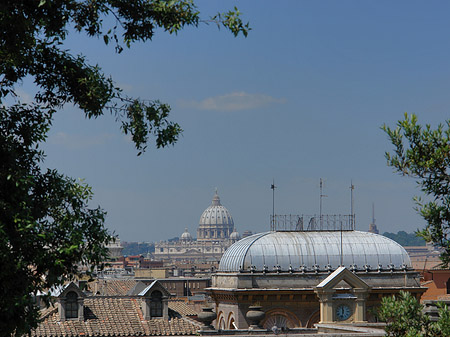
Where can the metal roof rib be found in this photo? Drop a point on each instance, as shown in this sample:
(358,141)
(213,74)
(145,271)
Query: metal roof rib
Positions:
(312,249)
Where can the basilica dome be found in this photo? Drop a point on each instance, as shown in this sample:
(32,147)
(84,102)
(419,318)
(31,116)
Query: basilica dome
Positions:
(216,223)
(216,214)
(314,250)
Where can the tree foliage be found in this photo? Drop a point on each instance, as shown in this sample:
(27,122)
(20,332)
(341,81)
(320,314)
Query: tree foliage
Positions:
(137,248)
(404,317)
(405,239)
(32,35)
(423,153)
(47,229)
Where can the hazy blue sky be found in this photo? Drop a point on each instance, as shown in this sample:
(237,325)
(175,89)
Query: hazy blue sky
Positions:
(302,98)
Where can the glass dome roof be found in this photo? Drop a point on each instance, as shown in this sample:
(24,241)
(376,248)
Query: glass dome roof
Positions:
(311,250)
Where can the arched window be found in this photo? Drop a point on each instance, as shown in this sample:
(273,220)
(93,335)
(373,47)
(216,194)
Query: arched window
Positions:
(156,308)
(232,324)
(72,305)
(221,319)
(281,318)
(222,324)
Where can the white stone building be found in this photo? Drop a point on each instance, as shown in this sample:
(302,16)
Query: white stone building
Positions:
(216,232)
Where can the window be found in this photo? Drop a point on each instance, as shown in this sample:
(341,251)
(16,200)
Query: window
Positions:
(156,304)
(72,305)
(448,286)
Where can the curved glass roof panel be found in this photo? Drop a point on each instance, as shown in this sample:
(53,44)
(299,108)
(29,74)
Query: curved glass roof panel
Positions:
(313,249)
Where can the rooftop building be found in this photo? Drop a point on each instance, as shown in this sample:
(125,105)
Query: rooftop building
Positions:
(315,274)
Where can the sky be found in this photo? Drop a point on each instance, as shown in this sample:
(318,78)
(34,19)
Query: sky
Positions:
(303,97)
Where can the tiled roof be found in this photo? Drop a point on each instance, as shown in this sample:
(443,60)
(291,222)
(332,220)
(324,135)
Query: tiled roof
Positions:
(46,312)
(113,287)
(420,263)
(182,308)
(106,316)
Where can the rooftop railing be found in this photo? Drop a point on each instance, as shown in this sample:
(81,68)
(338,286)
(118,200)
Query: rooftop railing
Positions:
(292,222)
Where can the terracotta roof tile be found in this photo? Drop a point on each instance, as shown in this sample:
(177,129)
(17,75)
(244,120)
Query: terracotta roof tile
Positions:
(182,308)
(112,316)
(113,287)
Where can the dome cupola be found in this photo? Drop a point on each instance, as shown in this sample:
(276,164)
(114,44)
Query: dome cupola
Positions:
(314,250)
(216,222)
(186,236)
(216,214)
(235,235)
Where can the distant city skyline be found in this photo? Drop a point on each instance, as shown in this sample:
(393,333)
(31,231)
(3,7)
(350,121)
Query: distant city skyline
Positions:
(302,98)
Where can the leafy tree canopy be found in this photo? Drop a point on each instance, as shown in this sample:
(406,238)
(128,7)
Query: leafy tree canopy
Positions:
(423,153)
(404,317)
(48,232)
(32,35)
(406,239)
(137,248)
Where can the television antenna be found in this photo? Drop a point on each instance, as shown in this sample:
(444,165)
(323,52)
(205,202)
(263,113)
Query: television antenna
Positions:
(320,205)
(273,187)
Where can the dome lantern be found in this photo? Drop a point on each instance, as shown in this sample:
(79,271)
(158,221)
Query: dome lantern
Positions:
(216,200)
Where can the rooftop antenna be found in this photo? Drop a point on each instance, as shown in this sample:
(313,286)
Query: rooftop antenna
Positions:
(320,206)
(273,187)
(352,221)
(352,214)
(342,246)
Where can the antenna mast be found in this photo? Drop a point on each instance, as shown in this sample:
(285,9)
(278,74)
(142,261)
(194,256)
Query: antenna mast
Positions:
(273,187)
(352,214)
(320,206)
(342,246)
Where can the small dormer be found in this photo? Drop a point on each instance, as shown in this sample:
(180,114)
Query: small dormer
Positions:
(155,301)
(70,303)
(137,289)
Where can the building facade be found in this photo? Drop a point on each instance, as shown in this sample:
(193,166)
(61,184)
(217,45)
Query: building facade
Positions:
(300,278)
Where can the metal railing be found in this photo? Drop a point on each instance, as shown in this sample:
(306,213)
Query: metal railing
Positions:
(292,222)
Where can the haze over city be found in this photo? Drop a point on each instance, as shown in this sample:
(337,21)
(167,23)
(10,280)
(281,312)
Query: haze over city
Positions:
(302,98)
